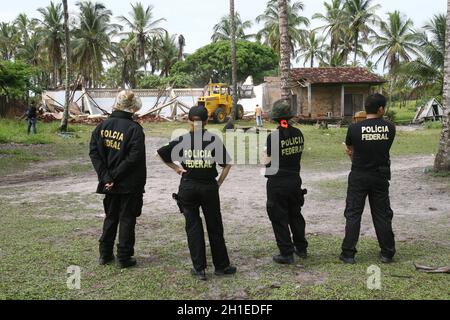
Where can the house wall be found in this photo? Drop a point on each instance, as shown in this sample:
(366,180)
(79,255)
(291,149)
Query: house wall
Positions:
(271,93)
(327,98)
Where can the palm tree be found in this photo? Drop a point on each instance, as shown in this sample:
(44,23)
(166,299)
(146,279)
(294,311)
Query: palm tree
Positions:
(222,30)
(181,45)
(442,161)
(65,118)
(311,47)
(270,34)
(362,17)
(142,27)
(234,66)
(25,27)
(336,24)
(51,31)
(285,49)
(92,40)
(9,41)
(396,42)
(168,53)
(427,71)
(31,52)
(154,44)
(126,66)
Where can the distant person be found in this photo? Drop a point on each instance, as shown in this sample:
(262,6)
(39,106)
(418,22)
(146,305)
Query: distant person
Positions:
(285,196)
(368,145)
(258,114)
(117,151)
(31,117)
(199,153)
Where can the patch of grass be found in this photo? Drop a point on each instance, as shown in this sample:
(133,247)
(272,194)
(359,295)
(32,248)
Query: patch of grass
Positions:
(433,125)
(418,142)
(38,246)
(12,160)
(404,114)
(19,151)
(15,131)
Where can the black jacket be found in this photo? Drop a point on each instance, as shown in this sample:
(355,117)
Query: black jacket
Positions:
(117,151)
(31,113)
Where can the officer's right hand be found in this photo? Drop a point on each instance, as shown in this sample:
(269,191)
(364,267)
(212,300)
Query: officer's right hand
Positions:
(109,186)
(180,171)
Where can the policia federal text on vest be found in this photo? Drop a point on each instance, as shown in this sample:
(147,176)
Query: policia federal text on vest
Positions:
(199,152)
(117,151)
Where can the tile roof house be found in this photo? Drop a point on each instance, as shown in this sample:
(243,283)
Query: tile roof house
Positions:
(325,92)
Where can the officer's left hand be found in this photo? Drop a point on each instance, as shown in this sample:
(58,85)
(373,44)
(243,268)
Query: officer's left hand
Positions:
(109,186)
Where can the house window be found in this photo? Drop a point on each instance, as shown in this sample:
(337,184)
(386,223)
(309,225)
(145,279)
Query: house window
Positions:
(353,103)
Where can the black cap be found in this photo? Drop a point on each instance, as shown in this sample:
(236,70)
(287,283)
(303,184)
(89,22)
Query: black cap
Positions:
(198,112)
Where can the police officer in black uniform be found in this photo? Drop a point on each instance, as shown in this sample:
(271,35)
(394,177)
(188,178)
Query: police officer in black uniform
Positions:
(117,151)
(368,144)
(31,116)
(285,196)
(198,152)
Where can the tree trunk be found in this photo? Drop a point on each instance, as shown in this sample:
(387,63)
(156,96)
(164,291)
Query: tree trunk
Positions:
(285,50)
(65,119)
(233,61)
(356,48)
(442,161)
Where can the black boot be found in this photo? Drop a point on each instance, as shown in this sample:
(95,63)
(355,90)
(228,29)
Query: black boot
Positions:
(302,254)
(130,262)
(284,259)
(104,260)
(347,260)
(385,260)
(227,271)
(200,275)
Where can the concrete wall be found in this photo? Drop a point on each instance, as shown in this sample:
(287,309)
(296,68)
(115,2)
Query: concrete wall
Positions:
(271,93)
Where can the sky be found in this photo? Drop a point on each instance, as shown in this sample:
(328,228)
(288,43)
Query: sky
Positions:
(195,18)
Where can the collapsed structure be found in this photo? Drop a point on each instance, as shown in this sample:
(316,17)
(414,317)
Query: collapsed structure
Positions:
(95,104)
(430,111)
(169,104)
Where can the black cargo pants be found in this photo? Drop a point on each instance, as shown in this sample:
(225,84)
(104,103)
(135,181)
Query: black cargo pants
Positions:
(192,196)
(121,211)
(284,205)
(376,187)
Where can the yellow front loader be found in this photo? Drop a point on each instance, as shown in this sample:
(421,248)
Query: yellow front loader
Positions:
(219,102)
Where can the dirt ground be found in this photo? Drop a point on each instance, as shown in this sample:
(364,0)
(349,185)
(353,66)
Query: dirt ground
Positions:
(421,208)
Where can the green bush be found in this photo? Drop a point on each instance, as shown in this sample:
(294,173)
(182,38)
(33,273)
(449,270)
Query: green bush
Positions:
(391,115)
(213,62)
(433,125)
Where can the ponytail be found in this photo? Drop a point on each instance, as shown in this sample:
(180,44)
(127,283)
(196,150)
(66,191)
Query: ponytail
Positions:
(284,127)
